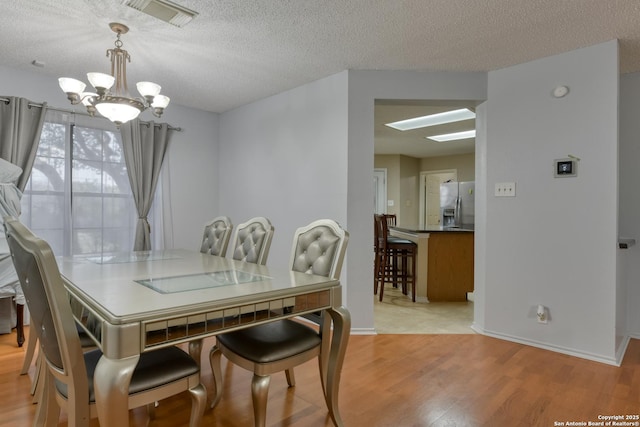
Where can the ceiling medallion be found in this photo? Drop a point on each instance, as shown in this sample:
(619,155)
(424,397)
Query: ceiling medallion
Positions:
(112,99)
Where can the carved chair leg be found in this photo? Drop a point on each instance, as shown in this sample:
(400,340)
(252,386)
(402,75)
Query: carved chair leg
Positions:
(151,410)
(48,410)
(291,378)
(37,383)
(259,394)
(32,342)
(198,404)
(214,360)
(20,323)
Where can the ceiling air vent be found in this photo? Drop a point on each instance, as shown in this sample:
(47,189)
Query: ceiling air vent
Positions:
(164,10)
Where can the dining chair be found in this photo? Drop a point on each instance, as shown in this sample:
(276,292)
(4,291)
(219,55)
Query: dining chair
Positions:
(68,377)
(378,255)
(217,234)
(391,219)
(252,240)
(318,248)
(395,259)
(86,342)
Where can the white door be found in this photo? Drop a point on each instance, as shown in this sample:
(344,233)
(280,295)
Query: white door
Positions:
(379,191)
(430,195)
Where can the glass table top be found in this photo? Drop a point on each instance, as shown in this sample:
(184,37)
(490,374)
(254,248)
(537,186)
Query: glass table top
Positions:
(169,285)
(126,257)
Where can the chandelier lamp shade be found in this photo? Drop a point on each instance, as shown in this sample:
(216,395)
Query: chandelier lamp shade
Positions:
(111,97)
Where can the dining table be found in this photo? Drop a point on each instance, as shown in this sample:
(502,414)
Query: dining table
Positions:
(136,302)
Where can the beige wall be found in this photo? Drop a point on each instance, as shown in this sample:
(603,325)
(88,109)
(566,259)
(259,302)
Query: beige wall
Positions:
(409,190)
(465,164)
(403,177)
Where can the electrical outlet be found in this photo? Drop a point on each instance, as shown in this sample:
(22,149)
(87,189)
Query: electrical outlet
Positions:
(505,189)
(542,314)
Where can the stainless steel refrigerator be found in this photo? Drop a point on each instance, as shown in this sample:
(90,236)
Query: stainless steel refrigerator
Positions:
(457,204)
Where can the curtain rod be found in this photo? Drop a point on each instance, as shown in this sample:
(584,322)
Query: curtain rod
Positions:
(63,110)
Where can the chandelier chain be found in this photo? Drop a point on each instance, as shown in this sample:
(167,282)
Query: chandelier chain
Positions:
(118,42)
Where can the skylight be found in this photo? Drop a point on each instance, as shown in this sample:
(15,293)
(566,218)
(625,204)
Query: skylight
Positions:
(433,119)
(453,136)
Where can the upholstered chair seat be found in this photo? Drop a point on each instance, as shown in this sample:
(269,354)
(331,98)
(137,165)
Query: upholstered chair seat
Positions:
(271,342)
(151,371)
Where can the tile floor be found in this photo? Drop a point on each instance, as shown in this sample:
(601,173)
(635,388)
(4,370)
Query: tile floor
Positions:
(396,314)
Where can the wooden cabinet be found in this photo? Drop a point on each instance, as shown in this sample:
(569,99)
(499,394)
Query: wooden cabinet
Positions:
(450,266)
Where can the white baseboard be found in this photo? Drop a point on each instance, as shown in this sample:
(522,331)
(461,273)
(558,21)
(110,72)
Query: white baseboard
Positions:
(363,331)
(622,349)
(616,361)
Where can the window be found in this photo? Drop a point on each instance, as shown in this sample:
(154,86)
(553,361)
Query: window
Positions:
(78,197)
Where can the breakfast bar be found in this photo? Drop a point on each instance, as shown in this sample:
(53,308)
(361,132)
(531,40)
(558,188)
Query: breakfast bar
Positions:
(444,265)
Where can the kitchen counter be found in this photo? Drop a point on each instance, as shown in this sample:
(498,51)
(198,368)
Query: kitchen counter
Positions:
(444,265)
(433,228)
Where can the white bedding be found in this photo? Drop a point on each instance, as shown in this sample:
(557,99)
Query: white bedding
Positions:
(9,205)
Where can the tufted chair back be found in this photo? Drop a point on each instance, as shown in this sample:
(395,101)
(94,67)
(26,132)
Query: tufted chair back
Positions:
(39,277)
(253,240)
(319,248)
(217,234)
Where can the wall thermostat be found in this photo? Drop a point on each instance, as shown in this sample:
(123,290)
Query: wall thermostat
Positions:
(565,168)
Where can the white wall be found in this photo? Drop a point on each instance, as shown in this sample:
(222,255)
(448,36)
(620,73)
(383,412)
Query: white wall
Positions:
(555,243)
(191,160)
(480,234)
(194,181)
(630,196)
(285,158)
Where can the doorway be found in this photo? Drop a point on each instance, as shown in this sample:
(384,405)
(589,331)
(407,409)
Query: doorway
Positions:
(430,195)
(415,167)
(380,191)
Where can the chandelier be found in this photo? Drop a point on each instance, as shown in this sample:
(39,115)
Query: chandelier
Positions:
(112,99)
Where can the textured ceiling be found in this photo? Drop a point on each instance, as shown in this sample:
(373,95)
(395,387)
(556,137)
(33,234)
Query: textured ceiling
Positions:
(239,51)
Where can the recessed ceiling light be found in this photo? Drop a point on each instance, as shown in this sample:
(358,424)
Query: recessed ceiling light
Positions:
(433,119)
(453,136)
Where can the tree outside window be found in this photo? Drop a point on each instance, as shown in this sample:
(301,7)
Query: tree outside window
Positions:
(78,197)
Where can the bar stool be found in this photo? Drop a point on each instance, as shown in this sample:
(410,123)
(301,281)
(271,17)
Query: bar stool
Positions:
(395,259)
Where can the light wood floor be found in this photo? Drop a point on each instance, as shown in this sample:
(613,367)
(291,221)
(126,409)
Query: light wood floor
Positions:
(400,380)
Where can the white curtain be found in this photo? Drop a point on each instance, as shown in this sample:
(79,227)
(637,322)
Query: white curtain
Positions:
(161,215)
(144,146)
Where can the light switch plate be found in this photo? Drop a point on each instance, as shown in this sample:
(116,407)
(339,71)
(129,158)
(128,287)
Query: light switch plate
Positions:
(505,189)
